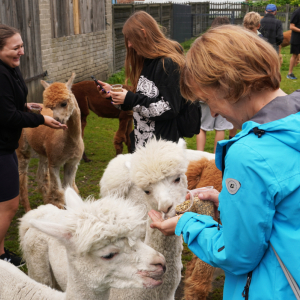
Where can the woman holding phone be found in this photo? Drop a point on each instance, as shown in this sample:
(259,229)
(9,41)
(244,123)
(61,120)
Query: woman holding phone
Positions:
(152,66)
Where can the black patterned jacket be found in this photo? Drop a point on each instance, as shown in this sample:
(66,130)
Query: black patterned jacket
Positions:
(156,103)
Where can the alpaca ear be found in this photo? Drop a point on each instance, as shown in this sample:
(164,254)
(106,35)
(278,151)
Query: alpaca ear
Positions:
(72,199)
(44,84)
(58,231)
(181,143)
(70,81)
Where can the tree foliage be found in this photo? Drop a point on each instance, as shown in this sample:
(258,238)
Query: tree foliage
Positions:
(277,2)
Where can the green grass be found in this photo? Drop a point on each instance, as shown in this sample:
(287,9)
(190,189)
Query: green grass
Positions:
(98,140)
(288,85)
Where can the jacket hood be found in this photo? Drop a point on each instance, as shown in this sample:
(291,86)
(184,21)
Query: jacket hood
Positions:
(286,130)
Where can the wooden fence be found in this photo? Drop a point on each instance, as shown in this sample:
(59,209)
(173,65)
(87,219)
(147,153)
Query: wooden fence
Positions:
(70,17)
(284,13)
(24,15)
(160,12)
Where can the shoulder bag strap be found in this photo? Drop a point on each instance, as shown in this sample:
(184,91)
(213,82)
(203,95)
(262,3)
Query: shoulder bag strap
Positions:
(288,276)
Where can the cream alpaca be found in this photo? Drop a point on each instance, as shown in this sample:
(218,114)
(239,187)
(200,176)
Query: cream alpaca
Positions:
(55,148)
(102,250)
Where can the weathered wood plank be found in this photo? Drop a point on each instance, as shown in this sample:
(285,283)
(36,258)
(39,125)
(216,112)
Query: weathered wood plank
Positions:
(76,16)
(85,7)
(98,15)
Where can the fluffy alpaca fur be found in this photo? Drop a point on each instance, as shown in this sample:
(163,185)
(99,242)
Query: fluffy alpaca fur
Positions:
(163,195)
(55,148)
(193,155)
(199,275)
(88,98)
(102,249)
(155,176)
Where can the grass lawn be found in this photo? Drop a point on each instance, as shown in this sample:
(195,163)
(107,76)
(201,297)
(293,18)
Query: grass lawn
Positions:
(99,147)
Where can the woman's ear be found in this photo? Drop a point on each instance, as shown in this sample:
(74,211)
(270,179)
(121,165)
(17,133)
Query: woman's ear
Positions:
(144,32)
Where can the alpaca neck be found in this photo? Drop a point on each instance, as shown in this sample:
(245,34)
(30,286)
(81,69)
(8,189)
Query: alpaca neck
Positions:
(78,289)
(74,123)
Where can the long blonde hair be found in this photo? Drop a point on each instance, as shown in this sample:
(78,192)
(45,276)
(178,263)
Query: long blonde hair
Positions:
(149,41)
(231,60)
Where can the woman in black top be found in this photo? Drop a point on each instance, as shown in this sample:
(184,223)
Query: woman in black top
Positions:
(14,115)
(152,66)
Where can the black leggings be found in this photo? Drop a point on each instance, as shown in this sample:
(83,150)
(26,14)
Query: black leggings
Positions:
(9,177)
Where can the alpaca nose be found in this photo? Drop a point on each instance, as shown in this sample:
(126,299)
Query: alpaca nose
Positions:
(167,209)
(159,260)
(162,267)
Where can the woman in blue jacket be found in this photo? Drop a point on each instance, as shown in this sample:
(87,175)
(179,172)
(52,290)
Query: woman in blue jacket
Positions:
(259,203)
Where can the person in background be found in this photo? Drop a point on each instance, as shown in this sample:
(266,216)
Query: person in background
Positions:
(271,28)
(295,41)
(209,123)
(152,66)
(14,115)
(252,22)
(259,201)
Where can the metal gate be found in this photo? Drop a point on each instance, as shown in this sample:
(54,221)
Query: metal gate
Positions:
(25,16)
(182,22)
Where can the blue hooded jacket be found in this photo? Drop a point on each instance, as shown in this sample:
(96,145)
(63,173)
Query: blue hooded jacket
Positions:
(259,203)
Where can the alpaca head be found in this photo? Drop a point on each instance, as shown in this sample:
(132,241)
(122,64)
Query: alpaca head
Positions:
(59,97)
(158,169)
(102,242)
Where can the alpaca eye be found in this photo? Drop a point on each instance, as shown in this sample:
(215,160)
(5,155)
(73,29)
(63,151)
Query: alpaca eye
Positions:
(64,104)
(109,256)
(147,192)
(177,180)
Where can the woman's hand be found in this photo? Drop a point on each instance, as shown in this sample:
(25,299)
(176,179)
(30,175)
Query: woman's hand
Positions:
(167,227)
(118,97)
(50,122)
(105,92)
(211,195)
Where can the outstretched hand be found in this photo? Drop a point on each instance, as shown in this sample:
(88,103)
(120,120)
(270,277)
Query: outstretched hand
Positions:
(52,123)
(167,227)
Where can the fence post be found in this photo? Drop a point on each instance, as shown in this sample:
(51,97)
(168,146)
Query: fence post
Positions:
(160,14)
(287,14)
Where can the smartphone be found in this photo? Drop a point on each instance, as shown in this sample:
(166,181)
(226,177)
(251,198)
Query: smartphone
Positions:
(93,77)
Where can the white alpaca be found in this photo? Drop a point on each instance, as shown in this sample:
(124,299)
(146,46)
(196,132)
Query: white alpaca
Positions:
(102,250)
(155,175)
(197,155)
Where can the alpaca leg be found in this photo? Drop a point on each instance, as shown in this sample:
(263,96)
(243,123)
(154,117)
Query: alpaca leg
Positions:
(83,124)
(23,154)
(120,136)
(42,176)
(118,142)
(129,129)
(70,170)
(198,280)
(55,194)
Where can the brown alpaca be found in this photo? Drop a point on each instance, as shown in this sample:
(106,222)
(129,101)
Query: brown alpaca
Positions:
(286,42)
(199,275)
(55,148)
(88,98)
